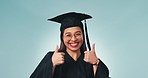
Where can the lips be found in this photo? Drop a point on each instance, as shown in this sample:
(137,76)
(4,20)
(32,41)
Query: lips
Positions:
(74,44)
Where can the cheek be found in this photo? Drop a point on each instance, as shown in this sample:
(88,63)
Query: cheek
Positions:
(65,42)
(81,41)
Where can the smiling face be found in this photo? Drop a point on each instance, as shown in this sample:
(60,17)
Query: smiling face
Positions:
(73,38)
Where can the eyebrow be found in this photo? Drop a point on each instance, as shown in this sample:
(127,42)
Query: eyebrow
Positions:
(78,31)
(75,32)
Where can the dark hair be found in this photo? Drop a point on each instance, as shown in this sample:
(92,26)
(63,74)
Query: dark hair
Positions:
(63,47)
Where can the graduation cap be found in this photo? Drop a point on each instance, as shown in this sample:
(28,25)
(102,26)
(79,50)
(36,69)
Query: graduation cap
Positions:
(72,19)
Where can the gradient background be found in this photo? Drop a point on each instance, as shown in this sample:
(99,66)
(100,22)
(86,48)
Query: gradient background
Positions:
(119,29)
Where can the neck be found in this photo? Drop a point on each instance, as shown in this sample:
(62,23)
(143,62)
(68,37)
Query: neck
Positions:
(74,54)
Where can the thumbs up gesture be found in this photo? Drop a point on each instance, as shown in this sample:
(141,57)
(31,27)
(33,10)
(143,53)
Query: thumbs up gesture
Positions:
(57,57)
(90,56)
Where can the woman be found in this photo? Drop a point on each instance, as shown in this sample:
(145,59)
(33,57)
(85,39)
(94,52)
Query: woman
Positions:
(71,60)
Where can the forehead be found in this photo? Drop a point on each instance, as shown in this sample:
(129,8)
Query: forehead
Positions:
(73,29)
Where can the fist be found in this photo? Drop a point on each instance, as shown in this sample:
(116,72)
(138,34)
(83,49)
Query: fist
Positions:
(90,56)
(57,57)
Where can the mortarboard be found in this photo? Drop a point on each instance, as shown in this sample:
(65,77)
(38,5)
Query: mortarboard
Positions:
(72,19)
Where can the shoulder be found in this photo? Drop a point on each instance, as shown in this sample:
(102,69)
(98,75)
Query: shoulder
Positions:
(48,55)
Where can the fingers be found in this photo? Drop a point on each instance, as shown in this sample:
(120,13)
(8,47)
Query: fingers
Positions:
(90,56)
(58,57)
(93,48)
(57,48)
(59,53)
(86,56)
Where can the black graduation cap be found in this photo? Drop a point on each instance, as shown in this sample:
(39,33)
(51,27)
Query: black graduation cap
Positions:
(72,19)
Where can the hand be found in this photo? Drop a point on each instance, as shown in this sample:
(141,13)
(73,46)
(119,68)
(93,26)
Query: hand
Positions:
(90,56)
(57,57)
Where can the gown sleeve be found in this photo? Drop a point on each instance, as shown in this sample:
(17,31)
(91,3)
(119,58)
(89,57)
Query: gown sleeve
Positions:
(44,69)
(102,71)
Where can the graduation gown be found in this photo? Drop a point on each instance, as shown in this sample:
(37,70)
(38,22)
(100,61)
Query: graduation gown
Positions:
(70,68)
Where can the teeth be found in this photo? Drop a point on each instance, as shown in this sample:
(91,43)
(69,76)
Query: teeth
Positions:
(74,44)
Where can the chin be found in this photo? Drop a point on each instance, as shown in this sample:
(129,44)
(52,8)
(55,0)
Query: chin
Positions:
(74,49)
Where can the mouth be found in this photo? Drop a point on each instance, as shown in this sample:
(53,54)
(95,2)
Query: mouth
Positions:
(74,44)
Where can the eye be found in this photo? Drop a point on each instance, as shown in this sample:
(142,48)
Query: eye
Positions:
(78,34)
(67,34)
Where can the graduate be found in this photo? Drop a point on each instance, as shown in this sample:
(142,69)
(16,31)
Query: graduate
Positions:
(75,58)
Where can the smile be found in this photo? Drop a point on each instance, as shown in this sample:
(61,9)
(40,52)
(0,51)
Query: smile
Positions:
(74,44)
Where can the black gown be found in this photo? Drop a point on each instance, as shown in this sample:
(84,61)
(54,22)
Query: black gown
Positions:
(70,68)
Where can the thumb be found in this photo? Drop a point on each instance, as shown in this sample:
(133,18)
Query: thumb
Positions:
(93,48)
(57,48)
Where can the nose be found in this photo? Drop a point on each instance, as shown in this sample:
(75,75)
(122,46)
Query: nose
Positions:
(73,38)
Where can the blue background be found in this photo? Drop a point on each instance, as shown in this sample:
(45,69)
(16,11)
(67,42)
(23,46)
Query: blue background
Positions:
(119,29)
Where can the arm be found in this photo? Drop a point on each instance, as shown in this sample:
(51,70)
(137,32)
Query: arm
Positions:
(101,70)
(95,66)
(44,69)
